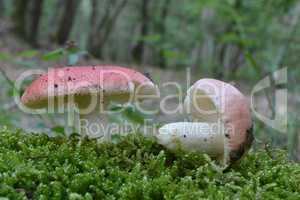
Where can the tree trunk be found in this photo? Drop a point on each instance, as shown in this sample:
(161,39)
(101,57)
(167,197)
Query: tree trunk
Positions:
(100,34)
(138,50)
(20,17)
(67,20)
(220,70)
(36,13)
(93,26)
(162,31)
(2,8)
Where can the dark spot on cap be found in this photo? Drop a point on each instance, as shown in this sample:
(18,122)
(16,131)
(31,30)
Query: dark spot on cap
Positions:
(70,78)
(55,85)
(147,74)
(227,135)
(184,136)
(74,79)
(93,67)
(68,69)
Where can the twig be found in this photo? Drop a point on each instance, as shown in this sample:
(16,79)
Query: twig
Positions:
(9,81)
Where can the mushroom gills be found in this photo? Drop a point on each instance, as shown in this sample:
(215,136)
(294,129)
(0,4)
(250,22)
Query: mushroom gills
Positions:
(206,138)
(201,106)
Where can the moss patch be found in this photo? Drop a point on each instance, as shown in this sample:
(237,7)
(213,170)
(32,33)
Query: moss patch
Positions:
(40,167)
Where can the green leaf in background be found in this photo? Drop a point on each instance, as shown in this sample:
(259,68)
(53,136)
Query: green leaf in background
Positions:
(59,130)
(115,107)
(72,49)
(126,113)
(173,54)
(252,62)
(28,53)
(133,115)
(116,116)
(5,56)
(152,38)
(54,55)
(115,139)
(230,37)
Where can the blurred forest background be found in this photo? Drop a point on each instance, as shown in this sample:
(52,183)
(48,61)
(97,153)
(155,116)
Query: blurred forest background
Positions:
(239,41)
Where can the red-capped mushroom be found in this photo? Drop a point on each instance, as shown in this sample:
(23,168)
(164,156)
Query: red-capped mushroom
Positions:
(89,90)
(225,111)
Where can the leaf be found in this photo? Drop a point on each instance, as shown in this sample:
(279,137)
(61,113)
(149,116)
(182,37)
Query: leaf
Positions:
(116,107)
(28,53)
(72,50)
(253,62)
(173,54)
(115,139)
(133,115)
(152,38)
(54,55)
(230,38)
(5,56)
(58,129)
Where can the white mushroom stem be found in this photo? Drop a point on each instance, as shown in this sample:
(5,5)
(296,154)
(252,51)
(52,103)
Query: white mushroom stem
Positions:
(91,124)
(71,119)
(95,124)
(206,138)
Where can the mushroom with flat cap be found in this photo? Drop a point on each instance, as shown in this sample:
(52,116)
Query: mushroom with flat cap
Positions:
(221,122)
(88,90)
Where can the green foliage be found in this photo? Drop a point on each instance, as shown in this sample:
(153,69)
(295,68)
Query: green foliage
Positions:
(28,53)
(127,113)
(41,167)
(54,55)
(72,53)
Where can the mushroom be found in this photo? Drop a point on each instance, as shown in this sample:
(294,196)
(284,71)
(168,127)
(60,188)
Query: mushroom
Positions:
(221,108)
(192,136)
(87,91)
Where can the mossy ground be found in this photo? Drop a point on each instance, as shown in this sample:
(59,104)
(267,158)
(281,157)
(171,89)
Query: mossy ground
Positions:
(40,167)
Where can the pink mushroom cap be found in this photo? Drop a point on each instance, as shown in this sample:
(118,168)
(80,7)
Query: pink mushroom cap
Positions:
(229,106)
(112,82)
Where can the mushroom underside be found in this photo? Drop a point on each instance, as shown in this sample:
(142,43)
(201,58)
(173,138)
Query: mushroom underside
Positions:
(211,101)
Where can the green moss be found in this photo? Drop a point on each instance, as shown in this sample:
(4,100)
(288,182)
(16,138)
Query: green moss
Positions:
(39,167)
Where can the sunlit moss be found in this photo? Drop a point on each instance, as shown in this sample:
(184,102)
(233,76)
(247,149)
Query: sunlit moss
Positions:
(39,167)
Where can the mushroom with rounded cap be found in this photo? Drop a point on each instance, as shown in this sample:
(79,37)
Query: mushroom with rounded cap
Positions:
(224,111)
(87,90)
